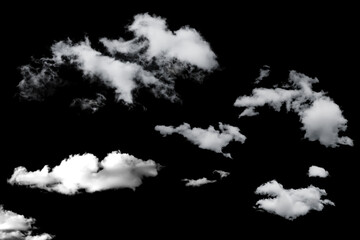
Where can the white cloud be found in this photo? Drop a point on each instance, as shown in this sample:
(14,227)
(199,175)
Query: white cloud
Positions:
(249,112)
(321,117)
(209,139)
(323,121)
(264,72)
(117,170)
(154,59)
(87,104)
(315,171)
(198,182)
(291,203)
(185,45)
(223,174)
(15,226)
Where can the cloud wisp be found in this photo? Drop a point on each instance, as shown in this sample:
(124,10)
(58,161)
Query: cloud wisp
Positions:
(16,226)
(88,104)
(86,172)
(210,139)
(264,72)
(222,174)
(315,171)
(291,203)
(154,59)
(197,182)
(321,117)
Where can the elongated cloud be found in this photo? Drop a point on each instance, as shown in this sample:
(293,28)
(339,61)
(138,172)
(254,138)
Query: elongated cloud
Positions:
(321,117)
(197,182)
(154,59)
(315,171)
(291,203)
(85,172)
(222,174)
(210,139)
(16,226)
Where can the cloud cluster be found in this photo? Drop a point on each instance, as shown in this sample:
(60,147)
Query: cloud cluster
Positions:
(197,182)
(264,72)
(315,171)
(321,117)
(153,59)
(90,105)
(16,227)
(85,172)
(210,139)
(291,203)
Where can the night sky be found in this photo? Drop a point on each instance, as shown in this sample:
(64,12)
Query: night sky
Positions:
(318,41)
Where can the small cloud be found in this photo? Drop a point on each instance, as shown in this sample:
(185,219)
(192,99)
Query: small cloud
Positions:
(249,112)
(315,171)
(264,72)
(291,203)
(90,105)
(197,182)
(223,174)
(210,139)
(17,227)
(86,172)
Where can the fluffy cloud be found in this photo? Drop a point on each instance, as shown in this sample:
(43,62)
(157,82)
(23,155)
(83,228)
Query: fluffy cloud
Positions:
(153,59)
(198,182)
(315,171)
(264,72)
(91,105)
(321,117)
(223,174)
(152,34)
(117,170)
(209,139)
(15,226)
(291,203)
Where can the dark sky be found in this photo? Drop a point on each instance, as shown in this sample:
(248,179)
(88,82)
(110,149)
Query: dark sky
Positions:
(319,41)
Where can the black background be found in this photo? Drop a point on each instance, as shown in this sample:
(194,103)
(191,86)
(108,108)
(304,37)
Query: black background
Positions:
(320,41)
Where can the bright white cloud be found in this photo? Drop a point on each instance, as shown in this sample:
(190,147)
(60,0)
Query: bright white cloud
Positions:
(321,117)
(117,170)
(315,171)
(210,139)
(185,45)
(291,203)
(15,226)
(198,182)
(264,72)
(154,59)
(223,174)
(323,121)
(87,104)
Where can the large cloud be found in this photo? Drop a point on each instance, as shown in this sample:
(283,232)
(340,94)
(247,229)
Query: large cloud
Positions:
(197,182)
(315,171)
(291,203)
(153,59)
(16,227)
(117,170)
(321,117)
(152,33)
(210,139)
